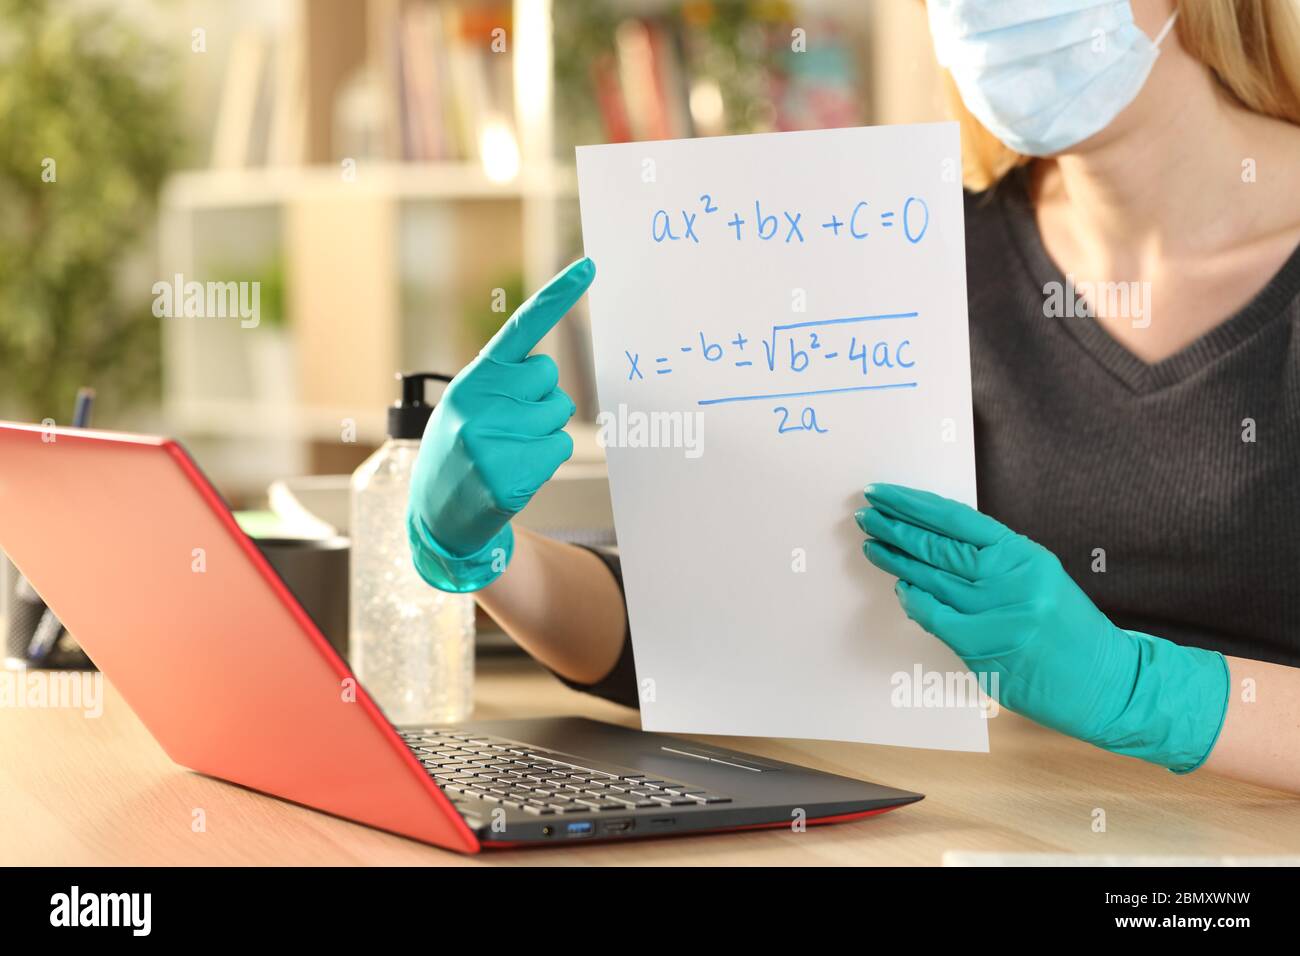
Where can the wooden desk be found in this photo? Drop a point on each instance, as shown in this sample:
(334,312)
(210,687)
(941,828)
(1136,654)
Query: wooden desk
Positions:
(77,791)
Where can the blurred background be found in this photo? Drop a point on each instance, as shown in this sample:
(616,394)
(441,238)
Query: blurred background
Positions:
(390,175)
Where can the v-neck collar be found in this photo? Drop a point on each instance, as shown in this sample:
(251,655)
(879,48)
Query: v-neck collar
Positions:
(1139,376)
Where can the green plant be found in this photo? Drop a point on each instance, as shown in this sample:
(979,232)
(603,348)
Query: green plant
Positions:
(478,324)
(89,128)
(268,275)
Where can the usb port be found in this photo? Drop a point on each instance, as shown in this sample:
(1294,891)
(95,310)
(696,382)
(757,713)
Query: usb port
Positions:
(616,826)
(579,829)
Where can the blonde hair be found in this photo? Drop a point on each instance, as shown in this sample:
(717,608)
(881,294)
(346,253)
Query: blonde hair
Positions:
(1253,47)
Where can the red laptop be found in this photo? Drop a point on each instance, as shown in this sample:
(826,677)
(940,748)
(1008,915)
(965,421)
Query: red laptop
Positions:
(231,676)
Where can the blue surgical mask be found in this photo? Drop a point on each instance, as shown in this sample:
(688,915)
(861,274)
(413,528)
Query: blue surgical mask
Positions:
(1043,75)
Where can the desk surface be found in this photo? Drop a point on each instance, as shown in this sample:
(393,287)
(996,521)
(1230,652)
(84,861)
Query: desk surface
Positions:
(78,791)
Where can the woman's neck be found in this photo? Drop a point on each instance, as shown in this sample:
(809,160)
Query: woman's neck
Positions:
(1163,181)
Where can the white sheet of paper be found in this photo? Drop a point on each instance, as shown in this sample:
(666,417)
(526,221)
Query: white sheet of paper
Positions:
(789,311)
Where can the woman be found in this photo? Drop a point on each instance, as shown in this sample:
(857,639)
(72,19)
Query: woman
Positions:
(1145,448)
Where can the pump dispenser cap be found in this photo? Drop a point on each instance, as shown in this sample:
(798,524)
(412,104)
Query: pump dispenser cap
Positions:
(407,418)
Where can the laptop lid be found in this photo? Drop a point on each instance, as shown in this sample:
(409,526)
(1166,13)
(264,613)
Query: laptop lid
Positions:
(137,554)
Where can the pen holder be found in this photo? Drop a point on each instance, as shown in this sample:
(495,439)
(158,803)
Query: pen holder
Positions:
(21,610)
(315,570)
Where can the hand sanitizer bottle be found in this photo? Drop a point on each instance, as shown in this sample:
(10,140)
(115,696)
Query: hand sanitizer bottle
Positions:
(412,646)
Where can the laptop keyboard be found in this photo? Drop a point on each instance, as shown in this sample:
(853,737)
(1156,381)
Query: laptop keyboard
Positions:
(543,782)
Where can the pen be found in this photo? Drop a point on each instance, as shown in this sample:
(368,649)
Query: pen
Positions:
(48,629)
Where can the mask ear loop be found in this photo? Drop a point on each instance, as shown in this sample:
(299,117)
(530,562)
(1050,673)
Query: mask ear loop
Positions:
(1164,30)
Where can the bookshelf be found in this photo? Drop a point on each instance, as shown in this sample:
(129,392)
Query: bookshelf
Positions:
(388,233)
(342,232)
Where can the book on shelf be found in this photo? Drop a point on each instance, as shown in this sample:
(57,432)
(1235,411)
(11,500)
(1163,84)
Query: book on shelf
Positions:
(663,77)
(453,71)
(436,76)
(260,119)
(233,137)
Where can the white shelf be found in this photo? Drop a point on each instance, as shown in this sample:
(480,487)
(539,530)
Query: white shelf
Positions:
(248,419)
(252,419)
(218,189)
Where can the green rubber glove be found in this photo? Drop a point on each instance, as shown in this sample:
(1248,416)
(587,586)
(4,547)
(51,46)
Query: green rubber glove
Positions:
(1007,608)
(495,437)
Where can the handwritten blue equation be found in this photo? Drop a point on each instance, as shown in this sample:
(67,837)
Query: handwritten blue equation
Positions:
(861,220)
(796,348)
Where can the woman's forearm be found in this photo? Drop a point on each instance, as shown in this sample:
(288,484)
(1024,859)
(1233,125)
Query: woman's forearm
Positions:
(560,603)
(1260,740)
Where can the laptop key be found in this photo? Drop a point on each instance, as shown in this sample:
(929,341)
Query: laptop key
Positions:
(588,767)
(538,811)
(635,802)
(595,804)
